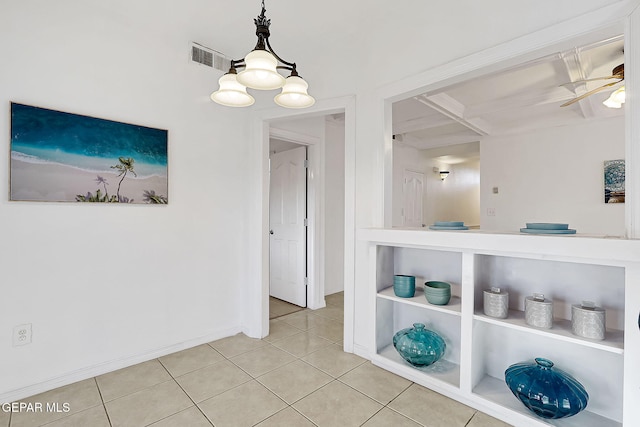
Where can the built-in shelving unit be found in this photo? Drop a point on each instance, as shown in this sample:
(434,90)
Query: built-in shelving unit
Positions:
(479,347)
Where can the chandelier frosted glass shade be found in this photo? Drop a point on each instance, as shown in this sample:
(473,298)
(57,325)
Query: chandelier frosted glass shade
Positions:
(294,94)
(260,71)
(231,93)
(616,99)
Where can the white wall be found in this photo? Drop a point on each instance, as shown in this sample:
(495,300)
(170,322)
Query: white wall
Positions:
(552,175)
(334,208)
(457,198)
(107,286)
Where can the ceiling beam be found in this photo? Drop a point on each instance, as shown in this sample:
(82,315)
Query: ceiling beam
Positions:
(420,123)
(577,69)
(455,110)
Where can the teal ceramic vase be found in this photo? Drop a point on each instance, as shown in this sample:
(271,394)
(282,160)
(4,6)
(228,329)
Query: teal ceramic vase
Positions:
(546,391)
(419,346)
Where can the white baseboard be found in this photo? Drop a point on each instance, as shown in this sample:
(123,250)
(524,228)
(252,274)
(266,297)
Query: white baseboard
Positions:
(110,366)
(361,351)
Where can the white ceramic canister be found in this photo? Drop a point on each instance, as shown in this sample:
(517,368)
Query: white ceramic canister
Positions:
(588,321)
(496,303)
(538,311)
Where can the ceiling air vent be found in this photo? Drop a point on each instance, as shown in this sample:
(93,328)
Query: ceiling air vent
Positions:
(209,57)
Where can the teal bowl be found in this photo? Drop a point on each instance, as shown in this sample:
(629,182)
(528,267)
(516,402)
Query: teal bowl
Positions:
(438,299)
(547,226)
(436,286)
(449,223)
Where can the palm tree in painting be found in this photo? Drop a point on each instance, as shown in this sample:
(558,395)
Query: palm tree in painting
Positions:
(125,166)
(103,181)
(150,196)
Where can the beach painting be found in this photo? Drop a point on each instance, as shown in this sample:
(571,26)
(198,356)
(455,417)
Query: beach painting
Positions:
(64,157)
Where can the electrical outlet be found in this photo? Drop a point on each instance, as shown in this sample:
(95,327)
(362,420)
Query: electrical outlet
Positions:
(22,334)
(491,211)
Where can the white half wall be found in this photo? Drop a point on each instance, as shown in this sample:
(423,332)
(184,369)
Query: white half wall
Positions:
(552,175)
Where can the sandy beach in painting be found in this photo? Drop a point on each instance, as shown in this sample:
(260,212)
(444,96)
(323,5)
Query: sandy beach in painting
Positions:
(56,182)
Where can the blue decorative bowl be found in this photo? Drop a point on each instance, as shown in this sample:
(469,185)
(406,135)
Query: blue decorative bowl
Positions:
(419,346)
(547,226)
(449,223)
(546,391)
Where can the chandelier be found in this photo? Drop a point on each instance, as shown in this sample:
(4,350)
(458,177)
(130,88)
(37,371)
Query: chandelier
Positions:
(259,71)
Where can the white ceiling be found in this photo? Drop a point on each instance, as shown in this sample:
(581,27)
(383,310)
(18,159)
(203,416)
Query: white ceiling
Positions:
(515,100)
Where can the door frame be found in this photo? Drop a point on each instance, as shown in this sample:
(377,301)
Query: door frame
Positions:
(255,318)
(314,260)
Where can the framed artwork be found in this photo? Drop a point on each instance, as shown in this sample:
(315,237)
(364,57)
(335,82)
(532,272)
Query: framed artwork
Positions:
(614,181)
(64,157)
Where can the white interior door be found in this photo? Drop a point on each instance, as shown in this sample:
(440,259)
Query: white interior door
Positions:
(413,192)
(287,212)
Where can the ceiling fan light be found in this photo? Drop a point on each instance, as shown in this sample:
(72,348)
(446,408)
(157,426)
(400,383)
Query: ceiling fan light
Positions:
(616,99)
(260,71)
(294,94)
(231,93)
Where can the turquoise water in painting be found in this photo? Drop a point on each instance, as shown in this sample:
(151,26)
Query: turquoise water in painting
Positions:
(44,136)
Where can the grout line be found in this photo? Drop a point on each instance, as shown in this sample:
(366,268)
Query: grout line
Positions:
(104,406)
(186,394)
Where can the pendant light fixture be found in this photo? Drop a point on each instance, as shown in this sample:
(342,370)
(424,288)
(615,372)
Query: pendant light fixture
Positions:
(260,71)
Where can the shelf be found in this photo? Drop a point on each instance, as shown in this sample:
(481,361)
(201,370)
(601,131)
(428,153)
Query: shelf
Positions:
(443,371)
(561,330)
(419,300)
(497,391)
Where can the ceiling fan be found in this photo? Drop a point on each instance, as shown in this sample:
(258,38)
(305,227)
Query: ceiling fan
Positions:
(616,73)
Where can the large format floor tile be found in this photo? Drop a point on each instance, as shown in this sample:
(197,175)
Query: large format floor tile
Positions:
(388,418)
(378,384)
(262,360)
(337,405)
(4,418)
(303,320)
(434,410)
(79,396)
(191,359)
(212,380)
(302,344)
(242,406)
(237,344)
(147,406)
(286,418)
(279,329)
(132,379)
(294,381)
(333,360)
(191,417)
(483,420)
(94,417)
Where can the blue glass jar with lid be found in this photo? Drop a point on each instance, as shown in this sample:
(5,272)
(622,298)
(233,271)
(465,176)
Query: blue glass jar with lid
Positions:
(419,346)
(545,390)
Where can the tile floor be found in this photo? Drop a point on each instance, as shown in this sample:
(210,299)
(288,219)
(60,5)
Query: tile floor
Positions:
(279,308)
(297,376)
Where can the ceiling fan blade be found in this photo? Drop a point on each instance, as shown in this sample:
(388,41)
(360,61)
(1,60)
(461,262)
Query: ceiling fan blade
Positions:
(591,80)
(591,92)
